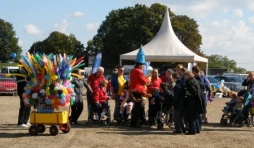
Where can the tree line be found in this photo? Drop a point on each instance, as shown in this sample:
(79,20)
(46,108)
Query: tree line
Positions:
(122,31)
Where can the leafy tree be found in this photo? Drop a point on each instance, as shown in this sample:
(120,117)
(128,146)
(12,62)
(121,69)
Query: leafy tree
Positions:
(124,30)
(8,42)
(59,43)
(218,61)
(186,29)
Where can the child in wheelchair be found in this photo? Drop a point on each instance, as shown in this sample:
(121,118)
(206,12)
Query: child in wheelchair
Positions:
(162,101)
(100,101)
(126,104)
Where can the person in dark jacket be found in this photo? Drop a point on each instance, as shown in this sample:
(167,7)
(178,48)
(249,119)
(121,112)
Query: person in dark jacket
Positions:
(193,105)
(205,85)
(249,81)
(177,104)
(24,111)
(77,107)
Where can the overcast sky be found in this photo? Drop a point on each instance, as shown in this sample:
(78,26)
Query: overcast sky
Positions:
(226,26)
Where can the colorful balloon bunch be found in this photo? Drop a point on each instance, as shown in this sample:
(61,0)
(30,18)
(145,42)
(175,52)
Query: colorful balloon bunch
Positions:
(50,78)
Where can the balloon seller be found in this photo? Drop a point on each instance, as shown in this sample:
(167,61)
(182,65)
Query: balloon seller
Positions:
(50,80)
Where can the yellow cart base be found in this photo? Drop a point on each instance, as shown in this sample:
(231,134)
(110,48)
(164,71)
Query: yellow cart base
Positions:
(49,118)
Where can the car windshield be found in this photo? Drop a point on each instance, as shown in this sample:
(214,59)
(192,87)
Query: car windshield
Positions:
(235,79)
(212,79)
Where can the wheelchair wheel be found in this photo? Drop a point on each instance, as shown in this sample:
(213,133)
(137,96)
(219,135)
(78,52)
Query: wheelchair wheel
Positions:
(108,120)
(223,122)
(160,125)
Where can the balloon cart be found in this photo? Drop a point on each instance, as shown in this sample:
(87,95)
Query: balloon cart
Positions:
(47,115)
(49,90)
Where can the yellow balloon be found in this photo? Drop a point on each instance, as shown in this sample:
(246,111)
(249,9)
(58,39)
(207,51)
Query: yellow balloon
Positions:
(73,74)
(65,91)
(15,74)
(54,77)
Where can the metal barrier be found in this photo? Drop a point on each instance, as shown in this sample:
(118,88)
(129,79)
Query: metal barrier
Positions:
(234,86)
(8,85)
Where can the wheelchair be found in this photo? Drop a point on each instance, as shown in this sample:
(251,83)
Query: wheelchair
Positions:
(165,116)
(92,119)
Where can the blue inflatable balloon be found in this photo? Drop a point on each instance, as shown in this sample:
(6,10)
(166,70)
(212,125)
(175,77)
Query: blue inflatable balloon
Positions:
(13,55)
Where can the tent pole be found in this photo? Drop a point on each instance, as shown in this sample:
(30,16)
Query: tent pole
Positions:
(206,69)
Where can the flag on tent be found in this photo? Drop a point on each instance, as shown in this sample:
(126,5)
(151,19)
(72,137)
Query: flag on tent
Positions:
(96,62)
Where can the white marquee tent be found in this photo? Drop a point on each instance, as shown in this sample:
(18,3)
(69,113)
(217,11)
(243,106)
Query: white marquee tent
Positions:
(165,47)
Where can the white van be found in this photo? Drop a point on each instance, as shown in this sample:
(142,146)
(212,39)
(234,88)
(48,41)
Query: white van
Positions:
(10,69)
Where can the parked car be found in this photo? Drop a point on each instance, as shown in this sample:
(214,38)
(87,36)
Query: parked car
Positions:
(8,85)
(240,75)
(234,83)
(215,84)
(234,79)
(10,69)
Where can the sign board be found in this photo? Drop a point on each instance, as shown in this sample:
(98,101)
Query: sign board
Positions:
(90,60)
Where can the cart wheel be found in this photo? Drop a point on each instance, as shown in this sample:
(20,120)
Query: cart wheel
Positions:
(53,130)
(34,130)
(66,129)
(42,128)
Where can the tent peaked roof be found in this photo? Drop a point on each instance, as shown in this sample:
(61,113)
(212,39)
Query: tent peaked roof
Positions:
(166,47)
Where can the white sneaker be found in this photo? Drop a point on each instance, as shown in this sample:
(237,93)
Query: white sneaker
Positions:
(22,125)
(28,124)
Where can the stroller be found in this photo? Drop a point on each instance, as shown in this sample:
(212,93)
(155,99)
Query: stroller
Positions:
(241,118)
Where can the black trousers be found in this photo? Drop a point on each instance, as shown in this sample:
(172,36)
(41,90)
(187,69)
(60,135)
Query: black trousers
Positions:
(76,110)
(138,112)
(117,106)
(24,112)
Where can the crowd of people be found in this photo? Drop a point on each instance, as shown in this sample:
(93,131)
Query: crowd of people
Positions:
(185,92)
